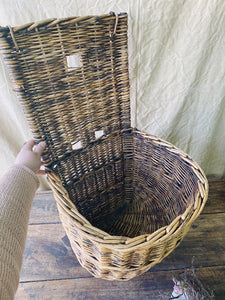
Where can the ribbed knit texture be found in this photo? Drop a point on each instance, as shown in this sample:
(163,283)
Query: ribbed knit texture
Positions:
(17,190)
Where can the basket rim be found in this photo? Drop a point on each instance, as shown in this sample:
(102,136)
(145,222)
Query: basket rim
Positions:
(67,21)
(124,243)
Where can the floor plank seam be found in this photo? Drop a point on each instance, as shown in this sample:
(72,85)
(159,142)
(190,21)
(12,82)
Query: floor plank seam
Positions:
(57,279)
(199,268)
(212,213)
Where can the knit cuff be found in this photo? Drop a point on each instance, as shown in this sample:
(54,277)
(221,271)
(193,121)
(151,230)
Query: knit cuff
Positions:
(27,170)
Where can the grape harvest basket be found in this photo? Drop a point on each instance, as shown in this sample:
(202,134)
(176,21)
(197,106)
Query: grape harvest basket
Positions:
(126,199)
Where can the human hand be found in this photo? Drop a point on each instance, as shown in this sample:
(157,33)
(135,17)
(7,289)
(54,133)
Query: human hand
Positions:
(30,156)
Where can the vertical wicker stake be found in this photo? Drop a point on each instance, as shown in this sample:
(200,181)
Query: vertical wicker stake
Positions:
(126,199)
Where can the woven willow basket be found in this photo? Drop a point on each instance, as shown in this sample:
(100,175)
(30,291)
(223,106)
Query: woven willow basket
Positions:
(126,199)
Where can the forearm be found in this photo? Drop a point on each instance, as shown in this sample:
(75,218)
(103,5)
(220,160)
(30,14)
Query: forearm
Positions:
(17,190)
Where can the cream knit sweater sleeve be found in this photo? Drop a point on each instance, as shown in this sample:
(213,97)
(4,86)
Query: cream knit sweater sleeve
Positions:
(17,190)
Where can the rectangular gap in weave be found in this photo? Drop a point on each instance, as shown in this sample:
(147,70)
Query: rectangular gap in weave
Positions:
(99,134)
(76,145)
(74,62)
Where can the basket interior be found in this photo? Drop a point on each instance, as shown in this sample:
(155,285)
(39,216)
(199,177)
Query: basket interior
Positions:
(129,185)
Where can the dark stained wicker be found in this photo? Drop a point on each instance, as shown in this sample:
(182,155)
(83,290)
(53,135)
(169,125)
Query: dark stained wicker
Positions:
(126,199)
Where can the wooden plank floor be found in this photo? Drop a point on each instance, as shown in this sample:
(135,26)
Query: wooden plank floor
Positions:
(51,271)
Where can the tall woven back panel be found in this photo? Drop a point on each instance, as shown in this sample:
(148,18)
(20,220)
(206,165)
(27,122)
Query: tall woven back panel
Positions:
(126,199)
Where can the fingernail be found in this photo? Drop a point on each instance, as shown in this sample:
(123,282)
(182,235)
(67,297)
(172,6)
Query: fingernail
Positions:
(42,144)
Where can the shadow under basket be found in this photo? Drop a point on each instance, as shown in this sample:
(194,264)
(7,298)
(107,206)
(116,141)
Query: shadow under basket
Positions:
(126,199)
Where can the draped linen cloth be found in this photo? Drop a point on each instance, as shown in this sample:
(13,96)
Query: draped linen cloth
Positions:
(176,67)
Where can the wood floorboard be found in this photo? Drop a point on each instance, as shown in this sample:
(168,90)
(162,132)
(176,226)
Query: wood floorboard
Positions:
(51,271)
(44,210)
(152,285)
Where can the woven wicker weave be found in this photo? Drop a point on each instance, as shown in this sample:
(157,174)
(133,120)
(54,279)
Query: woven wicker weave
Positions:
(126,199)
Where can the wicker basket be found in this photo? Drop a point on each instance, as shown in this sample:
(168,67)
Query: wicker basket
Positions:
(126,199)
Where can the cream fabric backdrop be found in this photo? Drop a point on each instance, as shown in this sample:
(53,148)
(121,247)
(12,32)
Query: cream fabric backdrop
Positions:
(177,72)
